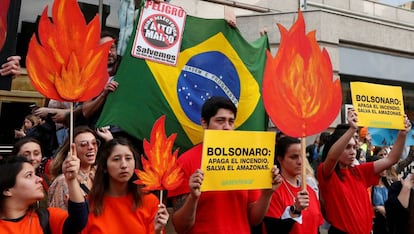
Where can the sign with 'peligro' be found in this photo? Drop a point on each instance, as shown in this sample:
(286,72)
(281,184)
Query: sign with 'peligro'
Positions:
(159,33)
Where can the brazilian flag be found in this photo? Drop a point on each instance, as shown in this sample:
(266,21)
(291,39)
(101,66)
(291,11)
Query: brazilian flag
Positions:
(215,60)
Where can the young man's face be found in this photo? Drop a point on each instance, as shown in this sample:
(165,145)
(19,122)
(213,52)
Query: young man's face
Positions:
(223,120)
(112,51)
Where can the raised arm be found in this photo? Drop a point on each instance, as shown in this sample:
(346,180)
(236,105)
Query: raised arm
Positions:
(339,146)
(185,206)
(396,151)
(89,108)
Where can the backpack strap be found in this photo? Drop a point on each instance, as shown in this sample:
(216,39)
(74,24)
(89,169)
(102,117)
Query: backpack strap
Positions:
(43,215)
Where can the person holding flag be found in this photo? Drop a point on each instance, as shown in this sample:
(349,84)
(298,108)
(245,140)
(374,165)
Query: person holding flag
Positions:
(343,185)
(216,211)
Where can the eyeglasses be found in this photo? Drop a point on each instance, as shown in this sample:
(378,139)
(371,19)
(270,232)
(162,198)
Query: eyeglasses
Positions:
(85,143)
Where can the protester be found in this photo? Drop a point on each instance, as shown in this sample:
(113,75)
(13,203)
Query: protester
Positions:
(118,205)
(216,211)
(86,144)
(29,122)
(30,148)
(344,186)
(21,188)
(292,210)
(400,206)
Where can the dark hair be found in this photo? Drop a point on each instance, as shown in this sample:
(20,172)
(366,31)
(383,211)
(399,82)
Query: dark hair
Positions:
(18,145)
(107,33)
(101,181)
(212,105)
(283,144)
(62,152)
(9,168)
(281,147)
(334,137)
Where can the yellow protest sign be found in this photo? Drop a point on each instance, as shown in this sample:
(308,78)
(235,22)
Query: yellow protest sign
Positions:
(378,106)
(237,160)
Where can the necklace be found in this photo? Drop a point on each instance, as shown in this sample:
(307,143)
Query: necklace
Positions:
(83,177)
(288,189)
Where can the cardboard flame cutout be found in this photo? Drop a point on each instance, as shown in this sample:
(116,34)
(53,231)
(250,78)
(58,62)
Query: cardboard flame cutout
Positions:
(4,9)
(299,94)
(68,63)
(160,170)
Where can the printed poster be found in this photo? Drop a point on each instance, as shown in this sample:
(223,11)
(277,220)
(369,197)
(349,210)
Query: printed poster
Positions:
(237,160)
(378,106)
(159,33)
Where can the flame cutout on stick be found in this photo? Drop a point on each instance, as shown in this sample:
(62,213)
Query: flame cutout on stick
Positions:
(68,63)
(160,170)
(299,93)
(4,9)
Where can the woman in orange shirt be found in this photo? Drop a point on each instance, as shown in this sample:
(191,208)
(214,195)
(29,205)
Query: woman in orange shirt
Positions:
(117,204)
(21,188)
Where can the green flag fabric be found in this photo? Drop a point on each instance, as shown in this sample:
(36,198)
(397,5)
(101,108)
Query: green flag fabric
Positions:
(215,60)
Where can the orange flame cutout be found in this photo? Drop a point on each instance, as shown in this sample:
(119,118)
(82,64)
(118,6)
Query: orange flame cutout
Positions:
(4,9)
(299,93)
(68,64)
(160,170)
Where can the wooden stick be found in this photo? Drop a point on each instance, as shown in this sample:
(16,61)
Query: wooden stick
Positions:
(161,192)
(303,172)
(71,128)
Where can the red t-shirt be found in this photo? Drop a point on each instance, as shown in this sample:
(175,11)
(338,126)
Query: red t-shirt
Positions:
(347,204)
(30,223)
(119,217)
(217,211)
(311,217)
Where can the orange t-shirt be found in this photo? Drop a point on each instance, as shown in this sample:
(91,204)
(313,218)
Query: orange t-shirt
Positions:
(118,216)
(30,223)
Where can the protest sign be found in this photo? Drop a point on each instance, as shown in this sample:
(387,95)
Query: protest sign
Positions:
(378,106)
(236,160)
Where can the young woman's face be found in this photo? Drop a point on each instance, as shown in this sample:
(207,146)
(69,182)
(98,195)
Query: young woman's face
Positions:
(120,164)
(291,164)
(31,151)
(86,148)
(348,156)
(27,124)
(28,187)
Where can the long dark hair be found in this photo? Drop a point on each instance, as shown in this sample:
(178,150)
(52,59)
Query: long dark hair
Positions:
(101,181)
(334,137)
(56,165)
(9,168)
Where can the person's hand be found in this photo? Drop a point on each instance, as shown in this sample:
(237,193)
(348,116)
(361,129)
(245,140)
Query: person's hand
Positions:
(71,165)
(352,118)
(407,125)
(408,182)
(277,178)
(11,67)
(41,112)
(229,16)
(196,179)
(19,133)
(301,200)
(104,133)
(161,218)
(263,31)
(111,86)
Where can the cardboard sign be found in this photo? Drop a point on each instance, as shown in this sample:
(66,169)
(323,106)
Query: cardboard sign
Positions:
(237,160)
(378,106)
(159,33)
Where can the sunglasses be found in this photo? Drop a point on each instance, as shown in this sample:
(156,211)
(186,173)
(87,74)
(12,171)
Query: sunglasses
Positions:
(85,143)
